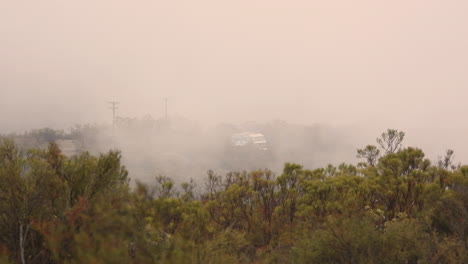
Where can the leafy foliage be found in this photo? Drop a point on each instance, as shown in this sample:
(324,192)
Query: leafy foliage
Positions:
(395,208)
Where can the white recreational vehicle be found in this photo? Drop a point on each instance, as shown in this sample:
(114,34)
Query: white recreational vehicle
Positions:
(257,140)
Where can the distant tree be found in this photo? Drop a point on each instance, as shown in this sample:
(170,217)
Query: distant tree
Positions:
(165,188)
(188,188)
(447,161)
(390,141)
(370,153)
(213,184)
(47,135)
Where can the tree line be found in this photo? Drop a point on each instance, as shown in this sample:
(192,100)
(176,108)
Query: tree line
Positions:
(394,207)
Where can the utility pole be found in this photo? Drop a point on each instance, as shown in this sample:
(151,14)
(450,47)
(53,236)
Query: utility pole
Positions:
(114,107)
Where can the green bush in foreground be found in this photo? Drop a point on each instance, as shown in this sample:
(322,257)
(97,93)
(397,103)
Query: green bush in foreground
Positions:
(396,207)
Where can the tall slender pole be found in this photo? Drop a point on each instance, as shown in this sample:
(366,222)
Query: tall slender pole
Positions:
(114,108)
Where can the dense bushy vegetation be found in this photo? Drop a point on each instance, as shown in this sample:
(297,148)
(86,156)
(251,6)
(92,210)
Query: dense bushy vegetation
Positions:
(395,207)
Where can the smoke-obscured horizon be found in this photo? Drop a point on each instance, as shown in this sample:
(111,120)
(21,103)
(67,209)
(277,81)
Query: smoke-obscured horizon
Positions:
(358,67)
(184,149)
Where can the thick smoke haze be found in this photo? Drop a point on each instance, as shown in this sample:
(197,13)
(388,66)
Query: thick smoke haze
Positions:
(359,66)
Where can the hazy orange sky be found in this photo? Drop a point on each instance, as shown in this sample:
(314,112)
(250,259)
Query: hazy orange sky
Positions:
(373,63)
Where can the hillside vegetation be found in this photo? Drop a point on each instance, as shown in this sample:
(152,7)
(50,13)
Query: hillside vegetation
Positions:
(394,207)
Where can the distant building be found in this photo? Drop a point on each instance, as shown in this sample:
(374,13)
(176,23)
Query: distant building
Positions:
(245,139)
